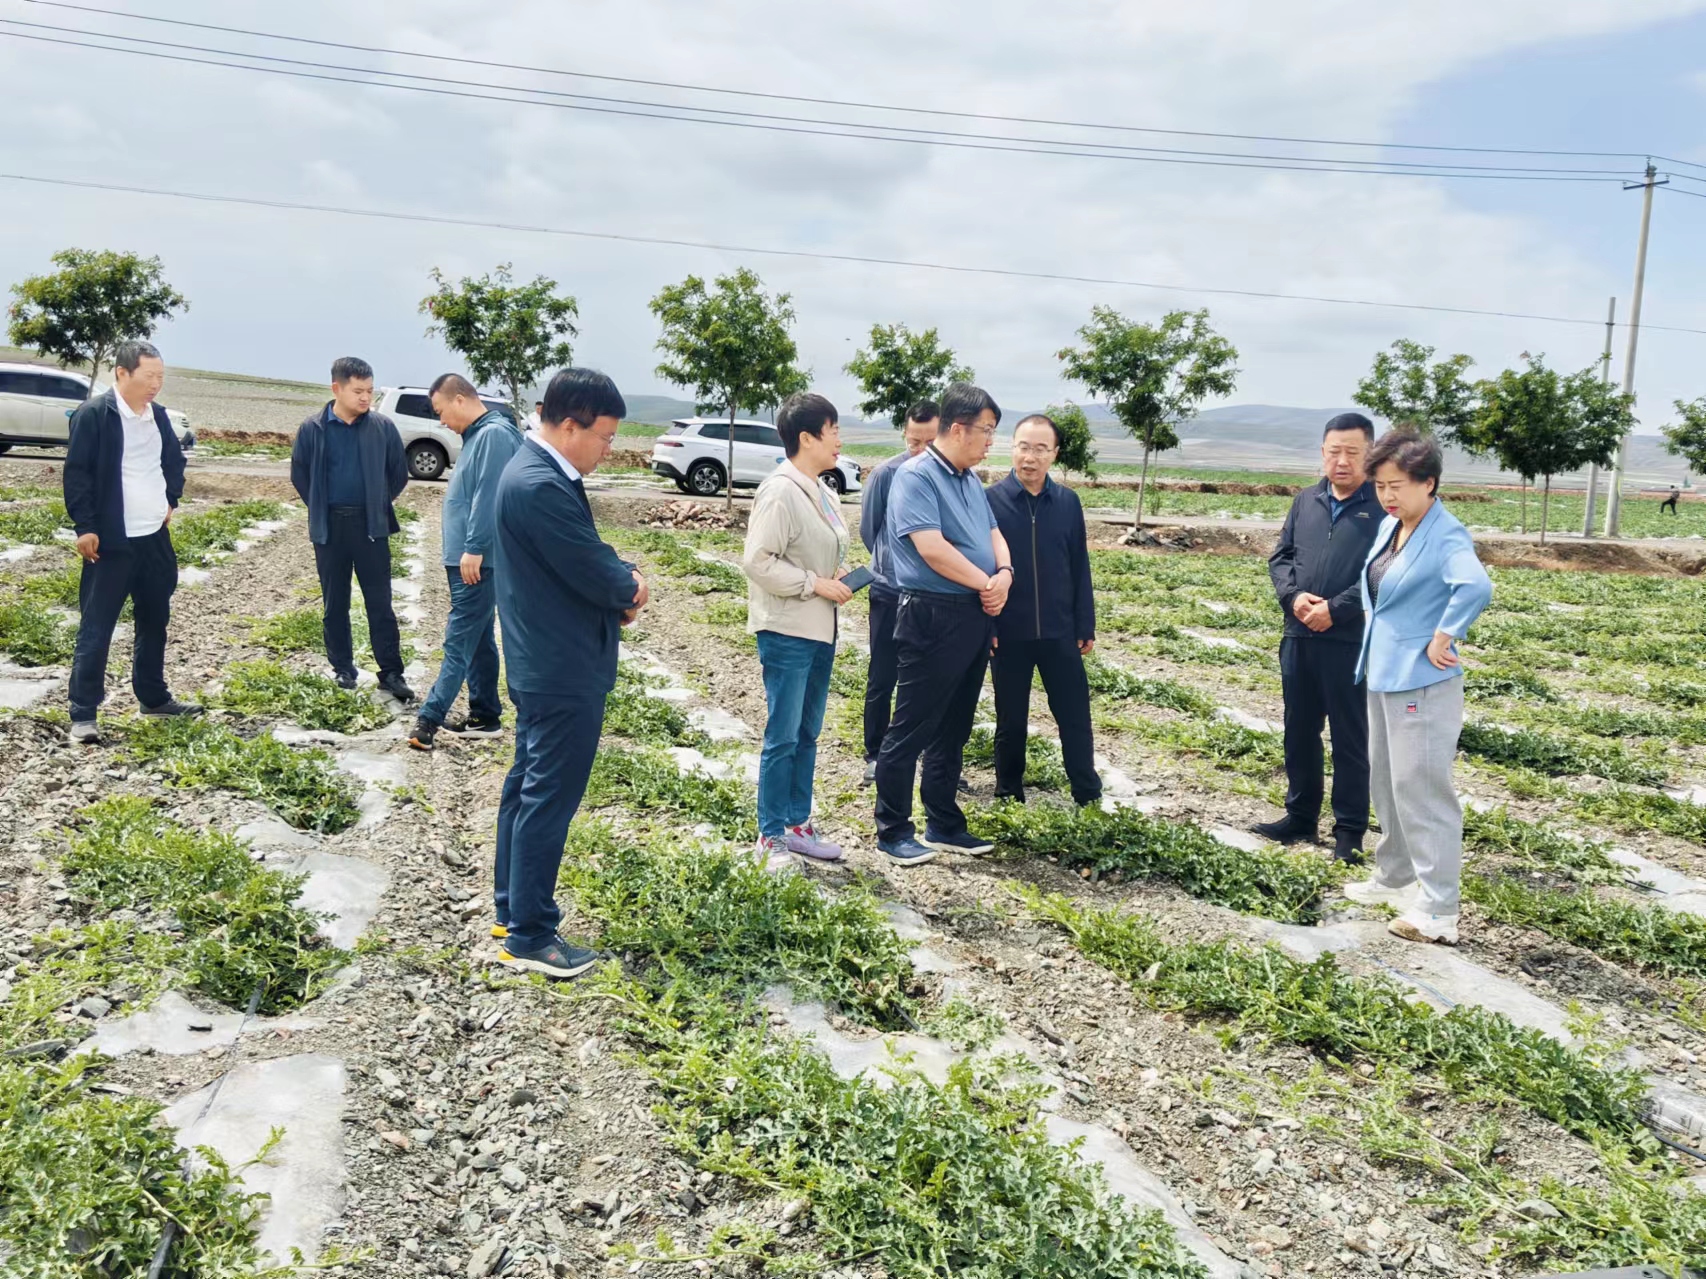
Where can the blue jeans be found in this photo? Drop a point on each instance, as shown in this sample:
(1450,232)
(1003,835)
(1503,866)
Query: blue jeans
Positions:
(796,684)
(470,651)
(556,739)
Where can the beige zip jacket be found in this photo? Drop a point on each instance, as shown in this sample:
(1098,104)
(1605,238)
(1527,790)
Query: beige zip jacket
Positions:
(794,535)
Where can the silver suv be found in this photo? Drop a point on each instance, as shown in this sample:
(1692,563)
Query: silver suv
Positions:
(37,401)
(694,452)
(430,446)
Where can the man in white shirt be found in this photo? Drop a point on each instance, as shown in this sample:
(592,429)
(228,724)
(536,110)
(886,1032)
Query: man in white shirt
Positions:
(124,475)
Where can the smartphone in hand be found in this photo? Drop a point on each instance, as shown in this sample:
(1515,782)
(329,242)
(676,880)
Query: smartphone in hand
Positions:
(858,579)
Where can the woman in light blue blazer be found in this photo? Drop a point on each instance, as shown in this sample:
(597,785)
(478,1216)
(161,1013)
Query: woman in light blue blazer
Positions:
(1422,587)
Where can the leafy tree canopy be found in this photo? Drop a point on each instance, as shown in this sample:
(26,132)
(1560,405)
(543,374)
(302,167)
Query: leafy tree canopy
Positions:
(901,367)
(511,334)
(97,299)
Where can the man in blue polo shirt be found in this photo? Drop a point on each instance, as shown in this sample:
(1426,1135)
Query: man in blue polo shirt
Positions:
(950,563)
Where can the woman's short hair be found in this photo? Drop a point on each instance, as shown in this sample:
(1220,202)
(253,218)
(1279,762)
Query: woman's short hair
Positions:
(1412,451)
(804,414)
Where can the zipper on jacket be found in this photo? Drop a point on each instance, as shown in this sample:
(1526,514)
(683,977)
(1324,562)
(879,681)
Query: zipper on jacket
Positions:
(1036,573)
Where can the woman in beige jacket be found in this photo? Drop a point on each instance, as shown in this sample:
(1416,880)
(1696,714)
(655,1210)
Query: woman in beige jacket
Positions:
(796,548)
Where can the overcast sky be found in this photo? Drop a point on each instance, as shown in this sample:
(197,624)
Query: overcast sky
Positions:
(282,293)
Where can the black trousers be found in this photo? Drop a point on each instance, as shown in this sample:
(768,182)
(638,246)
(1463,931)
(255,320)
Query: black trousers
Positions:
(348,547)
(1068,690)
(1319,680)
(143,570)
(943,645)
(885,659)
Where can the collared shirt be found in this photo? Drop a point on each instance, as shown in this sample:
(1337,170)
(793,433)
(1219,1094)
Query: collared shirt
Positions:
(567,466)
(144,482)
(345,477)
(873,516)
(930,492)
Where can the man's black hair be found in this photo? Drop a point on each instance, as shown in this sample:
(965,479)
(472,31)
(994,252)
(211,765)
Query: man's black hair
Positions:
(581,396)
(1350,422)
(1046,420)
(804,414)
(350,368)
(452,384)
(129,355)
(924,411)
(962,403)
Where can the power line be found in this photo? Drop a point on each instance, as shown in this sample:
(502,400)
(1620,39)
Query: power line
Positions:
(1375,165)
(855,259)
(1042,148)
(841,102)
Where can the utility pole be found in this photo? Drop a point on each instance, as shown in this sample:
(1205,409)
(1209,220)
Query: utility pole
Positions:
(1604,376)
(1614,501)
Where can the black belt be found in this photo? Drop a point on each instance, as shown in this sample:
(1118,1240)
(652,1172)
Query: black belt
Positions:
(347,510)
(953,600)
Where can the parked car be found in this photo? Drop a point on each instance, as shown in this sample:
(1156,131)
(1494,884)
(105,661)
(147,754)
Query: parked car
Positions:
(37,401)
(430,446)
(694,452)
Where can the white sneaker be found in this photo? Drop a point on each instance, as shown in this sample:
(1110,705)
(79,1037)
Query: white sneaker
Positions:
(773,856)
(1375,892)
(1418,925)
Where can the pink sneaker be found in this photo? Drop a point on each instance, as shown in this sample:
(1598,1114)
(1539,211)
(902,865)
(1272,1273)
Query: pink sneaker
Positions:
(804,841)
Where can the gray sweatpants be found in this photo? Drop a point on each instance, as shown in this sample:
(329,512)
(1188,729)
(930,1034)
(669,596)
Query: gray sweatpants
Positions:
(1412,741)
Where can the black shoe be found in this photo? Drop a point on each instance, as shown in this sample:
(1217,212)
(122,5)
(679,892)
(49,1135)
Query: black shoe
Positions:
(963,786)
(555,959)
(1347,848)
(483,728)
(1284,831)
(171,708)
(422,736)
(345,680)
(960,842)
(870,772)
(393,684)
(1018,797)
(907,852)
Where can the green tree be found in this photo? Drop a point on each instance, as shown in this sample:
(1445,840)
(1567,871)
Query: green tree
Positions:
(1687,439)
(1404,386)
(509,333)
(1538,422)
(731,345)
(901,367)
(1153,376)
(1077,441)
(97,299)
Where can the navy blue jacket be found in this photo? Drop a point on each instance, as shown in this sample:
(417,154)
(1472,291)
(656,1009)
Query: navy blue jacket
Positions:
(1051,596)
(383,469)
(94,469)
(1323,558)
(561,590)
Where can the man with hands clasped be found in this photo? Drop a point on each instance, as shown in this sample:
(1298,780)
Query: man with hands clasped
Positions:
(953,571)
(1316,570)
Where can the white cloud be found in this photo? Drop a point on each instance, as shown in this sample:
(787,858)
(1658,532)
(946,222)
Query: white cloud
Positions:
(281,291)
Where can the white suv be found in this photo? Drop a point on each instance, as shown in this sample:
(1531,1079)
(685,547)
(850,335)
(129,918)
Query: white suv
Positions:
(694,452)
(430,446)
(37,401)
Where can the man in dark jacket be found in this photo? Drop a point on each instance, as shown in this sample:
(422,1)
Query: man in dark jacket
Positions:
(563,596)
(1049,624)
(1316,571)
(347,466)
(124,476)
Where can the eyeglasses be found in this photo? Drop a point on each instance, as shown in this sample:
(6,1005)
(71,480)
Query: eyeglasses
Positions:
(988,432)
(1033,450)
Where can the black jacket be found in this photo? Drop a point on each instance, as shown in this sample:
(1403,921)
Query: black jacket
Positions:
(1051,597)
(383,470)
(94,468)
(561,589)
(1325,559)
